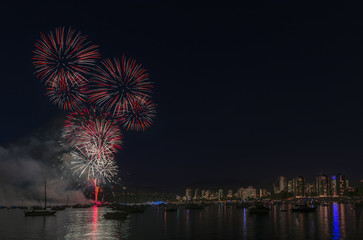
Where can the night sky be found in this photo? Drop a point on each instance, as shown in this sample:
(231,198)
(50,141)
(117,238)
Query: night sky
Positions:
(245,93)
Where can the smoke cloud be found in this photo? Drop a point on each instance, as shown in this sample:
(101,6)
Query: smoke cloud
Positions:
(26,164)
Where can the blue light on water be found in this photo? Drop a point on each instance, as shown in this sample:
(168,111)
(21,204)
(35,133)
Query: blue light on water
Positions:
(244,224)
(336,223)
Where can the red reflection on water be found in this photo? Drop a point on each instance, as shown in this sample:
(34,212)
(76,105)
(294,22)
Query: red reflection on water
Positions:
(94,222)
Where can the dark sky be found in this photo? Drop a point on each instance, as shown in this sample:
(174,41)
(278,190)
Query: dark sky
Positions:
(245,93)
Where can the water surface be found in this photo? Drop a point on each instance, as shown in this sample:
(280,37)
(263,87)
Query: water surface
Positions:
(337,221)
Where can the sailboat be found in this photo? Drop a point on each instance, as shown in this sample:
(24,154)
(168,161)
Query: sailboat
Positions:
(42,212)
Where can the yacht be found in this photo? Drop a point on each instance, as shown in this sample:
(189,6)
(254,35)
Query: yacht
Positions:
(303,207)
(258,208)
(41,212)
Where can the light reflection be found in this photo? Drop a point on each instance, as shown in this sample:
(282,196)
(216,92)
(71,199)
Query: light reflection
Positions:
(244,224)
(187,221)
(301,225)
(94,222)
(336,227)
(165,223)
(342,219)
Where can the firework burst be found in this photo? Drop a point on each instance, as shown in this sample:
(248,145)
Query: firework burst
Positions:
(100,170)
(93,133)
(118,86)
(64,56)
(139,116)
(67,96)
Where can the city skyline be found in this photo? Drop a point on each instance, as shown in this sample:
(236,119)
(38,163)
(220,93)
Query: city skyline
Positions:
(321,186)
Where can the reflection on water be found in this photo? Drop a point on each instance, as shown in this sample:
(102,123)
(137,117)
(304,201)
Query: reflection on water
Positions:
(223,222)
(336,224)
(244,224)
(336,221)
(94,222)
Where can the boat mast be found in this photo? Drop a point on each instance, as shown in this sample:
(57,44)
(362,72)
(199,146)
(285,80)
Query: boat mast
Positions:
(45,194)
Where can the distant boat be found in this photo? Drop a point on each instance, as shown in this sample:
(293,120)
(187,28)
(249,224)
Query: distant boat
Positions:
(42,212)
(303,207)
(81,206)
(258,208)
(58,208)
(36,208)
(34,213)
(22,205)
(243,205)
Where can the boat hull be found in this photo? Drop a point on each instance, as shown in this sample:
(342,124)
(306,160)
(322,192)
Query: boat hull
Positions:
(39,213)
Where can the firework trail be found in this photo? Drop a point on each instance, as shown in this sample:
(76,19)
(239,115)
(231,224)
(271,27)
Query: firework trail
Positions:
(98,171)
(97,188)
(64,56)
(139,116)
(117,86)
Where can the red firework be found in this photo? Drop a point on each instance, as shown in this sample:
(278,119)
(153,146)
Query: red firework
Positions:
(139,116)
(93,133)
(67,96)
(64,56)
(118,86)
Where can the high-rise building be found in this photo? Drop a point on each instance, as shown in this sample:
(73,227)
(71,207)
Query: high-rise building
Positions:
(240,192)
(323,186)
(290,186)
(220,193)
(334,187)
(230,193)
(341,184)
(188,194)
(298,187)
(249,192)
(263,193)
(276,188)
(202,195)
(196,194)
(282,184)
(310,189)
(207,194)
